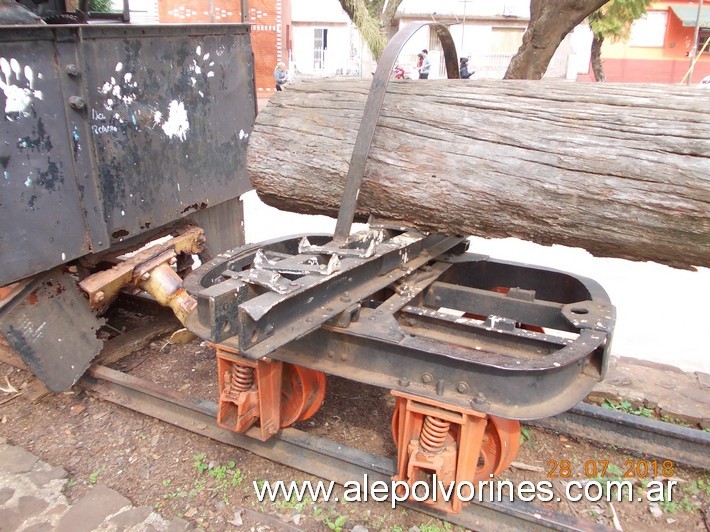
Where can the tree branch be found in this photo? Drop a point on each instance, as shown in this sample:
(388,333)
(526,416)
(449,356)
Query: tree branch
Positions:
(550,22)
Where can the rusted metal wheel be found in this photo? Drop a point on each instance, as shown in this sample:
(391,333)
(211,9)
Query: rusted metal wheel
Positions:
(302,393)
(501,441)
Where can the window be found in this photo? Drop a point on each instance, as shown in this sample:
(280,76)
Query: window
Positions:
(320,45)
(649,30)
(703,35)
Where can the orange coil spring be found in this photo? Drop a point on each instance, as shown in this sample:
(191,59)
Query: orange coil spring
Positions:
(434,433)
(242,378)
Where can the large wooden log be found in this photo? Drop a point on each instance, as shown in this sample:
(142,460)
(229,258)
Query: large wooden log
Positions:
(620,170)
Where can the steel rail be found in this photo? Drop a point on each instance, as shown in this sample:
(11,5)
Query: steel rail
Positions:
(312,454)
(649,437)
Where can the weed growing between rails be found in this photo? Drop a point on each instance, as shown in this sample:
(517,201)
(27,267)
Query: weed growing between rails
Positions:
(214,480)
(153,463)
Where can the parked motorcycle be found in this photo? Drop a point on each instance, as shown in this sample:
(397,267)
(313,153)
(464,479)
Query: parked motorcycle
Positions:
(399,73)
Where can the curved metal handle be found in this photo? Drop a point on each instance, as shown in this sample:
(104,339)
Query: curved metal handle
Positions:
(361,150)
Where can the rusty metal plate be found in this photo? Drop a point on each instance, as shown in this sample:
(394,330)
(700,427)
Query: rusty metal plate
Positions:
(52,329)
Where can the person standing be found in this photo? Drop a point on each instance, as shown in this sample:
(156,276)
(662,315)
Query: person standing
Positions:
(280,76)
(464,72)
(426,65)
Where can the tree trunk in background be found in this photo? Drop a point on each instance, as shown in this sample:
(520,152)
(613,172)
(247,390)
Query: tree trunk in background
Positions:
(620,170)
(550,22)
(596,58)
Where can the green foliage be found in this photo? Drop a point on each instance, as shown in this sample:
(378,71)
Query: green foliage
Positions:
(213,478)
(690,498)
(673,507)
(614,19)
(674,420)
(93,477)
(200,463)
(100,6)
(627,408)
(698,486)
(372,18)
(292,503)
(614,471)
(179,493)
(337,524)
(525,434)
(433,527)
(612,474)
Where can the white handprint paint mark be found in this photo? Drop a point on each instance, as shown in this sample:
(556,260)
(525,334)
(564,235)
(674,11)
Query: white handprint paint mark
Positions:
(119,90)
(17,84)
(204,65)
(177,124)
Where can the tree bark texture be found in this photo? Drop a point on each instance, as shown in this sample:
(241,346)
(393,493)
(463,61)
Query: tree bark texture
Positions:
(619,170)
(550,22)
(596,58)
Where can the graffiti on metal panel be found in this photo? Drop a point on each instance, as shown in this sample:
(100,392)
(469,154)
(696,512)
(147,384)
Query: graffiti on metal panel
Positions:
(123,107)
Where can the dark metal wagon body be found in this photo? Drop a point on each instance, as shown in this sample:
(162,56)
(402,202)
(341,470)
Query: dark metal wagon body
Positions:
(112,135)
(110,132)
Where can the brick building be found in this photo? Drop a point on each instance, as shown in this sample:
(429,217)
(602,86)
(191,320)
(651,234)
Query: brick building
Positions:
(659,46)
(270,22)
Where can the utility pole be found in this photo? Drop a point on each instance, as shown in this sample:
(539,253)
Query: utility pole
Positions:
(694,49)
(463,27)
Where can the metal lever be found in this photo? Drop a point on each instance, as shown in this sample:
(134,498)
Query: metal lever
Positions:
(365,133)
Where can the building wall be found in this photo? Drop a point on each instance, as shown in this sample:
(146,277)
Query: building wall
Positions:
(488,33)
(666,62)
(271,39)
(331,61)
(461,8)
(270,22)
(318,11)
(344,52)
(199,11)
(144,12)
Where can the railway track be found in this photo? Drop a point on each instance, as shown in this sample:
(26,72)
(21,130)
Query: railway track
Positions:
(326,459)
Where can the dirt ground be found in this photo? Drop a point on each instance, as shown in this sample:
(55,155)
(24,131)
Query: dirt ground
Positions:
(210,484)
